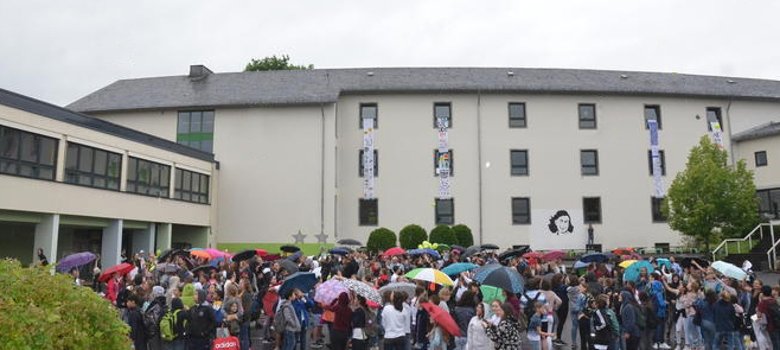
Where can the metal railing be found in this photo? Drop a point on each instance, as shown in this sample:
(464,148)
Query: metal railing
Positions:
(723,248)
(771,254)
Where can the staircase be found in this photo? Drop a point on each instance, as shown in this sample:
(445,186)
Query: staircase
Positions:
(757,255)
(762,249)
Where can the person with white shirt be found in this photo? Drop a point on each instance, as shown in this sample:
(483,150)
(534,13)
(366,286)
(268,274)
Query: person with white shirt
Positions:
(395,321)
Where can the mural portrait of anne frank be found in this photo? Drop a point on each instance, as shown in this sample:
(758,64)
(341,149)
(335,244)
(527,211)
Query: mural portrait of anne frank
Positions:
(560,223)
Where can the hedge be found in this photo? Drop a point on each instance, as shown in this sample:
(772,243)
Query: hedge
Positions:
(380,239)
(411,236)
(463,235)
(443,234)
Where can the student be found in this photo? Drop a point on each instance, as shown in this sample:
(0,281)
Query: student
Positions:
(134,319)
(202,325)
(536,334)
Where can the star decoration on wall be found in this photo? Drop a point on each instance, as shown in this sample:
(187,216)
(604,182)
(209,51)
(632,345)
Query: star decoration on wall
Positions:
(322,238)
(299,237)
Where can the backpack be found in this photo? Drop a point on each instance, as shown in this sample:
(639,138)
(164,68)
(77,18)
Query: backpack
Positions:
(371,330)
(152,318)
(612,322)
(641,322)
(529,311)
(202,322)
(279,321)
(168,326)
(773,314)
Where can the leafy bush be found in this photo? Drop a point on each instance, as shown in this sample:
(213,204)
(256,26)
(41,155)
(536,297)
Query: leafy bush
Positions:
(41,311)
(443,234)
(381,239)
(463,235)
(411,236)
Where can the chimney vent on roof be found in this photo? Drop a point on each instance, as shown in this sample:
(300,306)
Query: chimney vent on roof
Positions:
(370,74)
(623,76)
(731,81)
(510,73)
(199,71)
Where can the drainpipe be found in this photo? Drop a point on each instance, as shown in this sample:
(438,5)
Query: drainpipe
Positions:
(322,168)
(731,143)
(479,159)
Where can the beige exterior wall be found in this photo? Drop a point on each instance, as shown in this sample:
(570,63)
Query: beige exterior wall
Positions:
(158,123)
(765,176)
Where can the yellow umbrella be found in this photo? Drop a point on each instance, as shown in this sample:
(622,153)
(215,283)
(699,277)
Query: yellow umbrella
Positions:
(627,263)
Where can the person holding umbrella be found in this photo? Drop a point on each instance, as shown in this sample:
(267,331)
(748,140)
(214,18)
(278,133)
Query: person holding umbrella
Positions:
(505,335)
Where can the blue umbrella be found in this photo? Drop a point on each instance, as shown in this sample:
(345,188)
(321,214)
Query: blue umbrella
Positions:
(75,260)
(632,271)
(594,257)
(457,268)
(295,256)
(664,262)
(215,262)
(420,251)
(304,281)
(580,265)
(339,251)
(500,276)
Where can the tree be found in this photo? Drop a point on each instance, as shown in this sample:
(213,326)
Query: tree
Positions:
(463,235)
(273,63)
(411,236)
(443,234)
(44,311)
(381,239)
(710,196)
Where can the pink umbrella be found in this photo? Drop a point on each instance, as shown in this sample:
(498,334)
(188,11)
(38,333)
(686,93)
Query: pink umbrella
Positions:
(215,253)
(553,255)
(329,291)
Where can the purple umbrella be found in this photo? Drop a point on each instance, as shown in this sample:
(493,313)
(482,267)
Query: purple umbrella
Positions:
(75,260)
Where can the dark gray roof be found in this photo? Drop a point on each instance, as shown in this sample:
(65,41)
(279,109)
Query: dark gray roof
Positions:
(761,131)
(29,104)
(326,85)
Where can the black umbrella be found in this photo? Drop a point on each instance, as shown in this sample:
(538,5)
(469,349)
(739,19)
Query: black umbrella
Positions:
(489,246)
(288,266)
(457,247)
(686,261)
(204,268)
(349,241)
(512,254)
(169,253)
(244,255)
(289,248)
(472,250)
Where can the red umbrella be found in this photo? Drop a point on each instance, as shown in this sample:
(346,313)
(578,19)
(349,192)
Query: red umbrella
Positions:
(623,251)
(261,252)
(553,255)
(272,257)
(443,318)
(395,251)
(533,255)
(121,269)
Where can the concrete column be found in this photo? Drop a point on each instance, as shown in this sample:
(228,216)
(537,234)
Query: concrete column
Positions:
(62,149)
(47,233)
(123,174)
(164,232)
(111,253)
(144,239)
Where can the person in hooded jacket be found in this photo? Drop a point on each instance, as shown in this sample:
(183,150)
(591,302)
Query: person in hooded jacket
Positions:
(132,316)
(464,312)
(152,317)
(179,331)
(629,310)
(342,323)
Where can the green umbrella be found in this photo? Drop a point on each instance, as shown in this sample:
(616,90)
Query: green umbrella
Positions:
(490,293)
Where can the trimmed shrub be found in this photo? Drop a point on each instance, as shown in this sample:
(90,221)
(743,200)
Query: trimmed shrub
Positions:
(443,234)
(44,311)
(411,236)
(463,235)
(380,239)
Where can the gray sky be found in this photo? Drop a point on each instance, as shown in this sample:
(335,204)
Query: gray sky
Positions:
(59,51)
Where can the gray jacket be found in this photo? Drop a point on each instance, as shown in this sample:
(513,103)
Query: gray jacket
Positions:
(291,322)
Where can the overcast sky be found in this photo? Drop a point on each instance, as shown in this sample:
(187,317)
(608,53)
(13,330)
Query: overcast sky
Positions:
(60,51)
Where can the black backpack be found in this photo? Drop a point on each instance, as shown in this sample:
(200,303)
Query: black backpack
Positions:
(529,309)
(202,322)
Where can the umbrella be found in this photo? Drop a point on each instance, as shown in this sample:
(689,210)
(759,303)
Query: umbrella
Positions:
(489,246)
(204,268)
(349,241)
(430,275)
(490,293)
(261,252)
(121,269)
(632,272)
(329,291)
(533,255)
(395,251)
(472,250)
(664,262)
(170,253)
(553,255)
(75,260)
(623,251)
(339,251)
(442,318)
(303,281)
(686,261)
(500,276)
(363,289)
(167,268)
(579,264)
(295,256)
(457,268)
(406,287)
(289,248)
(201,254)
(216,261)
(511,254)
(729,270)
(457,247)
(594,257)
(288,266)
(215,253)
(626,263)
(434,254)
(245,255)
(272,257)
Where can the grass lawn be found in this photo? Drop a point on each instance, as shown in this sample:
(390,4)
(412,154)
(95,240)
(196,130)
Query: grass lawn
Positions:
(273,248)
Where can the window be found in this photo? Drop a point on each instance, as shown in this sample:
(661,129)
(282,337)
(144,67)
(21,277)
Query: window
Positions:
(662,158)
(589,162)
(519,162)
(92,167)
(370,111)
(521,211)
(361,159)
(369,212)
(517,115)
(653,112)
(148,178)
(191,186)
(591,207)
(761,158)
(445,211)
(196,129)
(713,115)
(587,113)
(443,110)
(447,157)
(26,154)
(769,203)
(656,204)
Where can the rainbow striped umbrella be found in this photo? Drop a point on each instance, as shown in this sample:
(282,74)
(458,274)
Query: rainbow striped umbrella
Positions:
(430,275)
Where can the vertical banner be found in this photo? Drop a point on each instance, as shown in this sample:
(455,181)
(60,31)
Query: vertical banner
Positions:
(368,158)
(443,168)
(655,156)
(716,133)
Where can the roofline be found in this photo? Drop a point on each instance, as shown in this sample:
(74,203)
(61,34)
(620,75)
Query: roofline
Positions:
(42,108)
(755,133)
(206,107)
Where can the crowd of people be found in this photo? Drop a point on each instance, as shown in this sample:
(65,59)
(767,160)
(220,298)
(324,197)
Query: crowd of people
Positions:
(180,301)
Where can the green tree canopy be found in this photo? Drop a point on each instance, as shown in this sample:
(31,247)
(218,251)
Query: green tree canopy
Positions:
(411,236)
(381,239)
(711,196)
(273,63)
(463,235)
(443,234)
